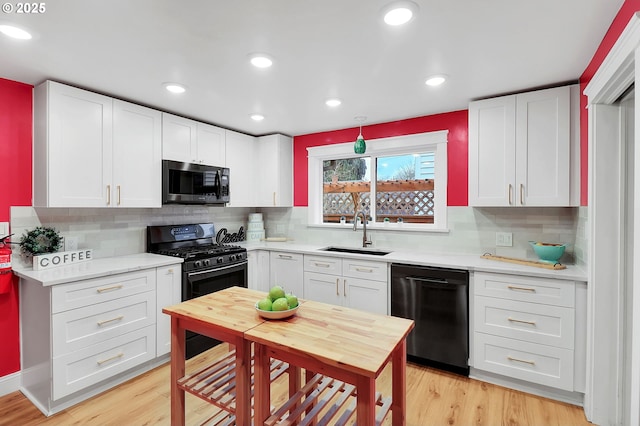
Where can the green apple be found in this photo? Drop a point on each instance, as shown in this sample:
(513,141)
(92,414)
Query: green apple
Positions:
(292,299)
(265,304)
(276,292)
(280,304)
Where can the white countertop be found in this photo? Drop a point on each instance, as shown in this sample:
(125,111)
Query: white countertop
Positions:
(97,268)
(416,257)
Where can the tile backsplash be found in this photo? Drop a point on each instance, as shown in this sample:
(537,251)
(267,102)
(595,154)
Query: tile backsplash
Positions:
(112,232)
(471,231)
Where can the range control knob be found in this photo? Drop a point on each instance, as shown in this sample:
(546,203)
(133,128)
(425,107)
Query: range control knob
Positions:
(206,262)
(197,264)
(232,257)
(220,260)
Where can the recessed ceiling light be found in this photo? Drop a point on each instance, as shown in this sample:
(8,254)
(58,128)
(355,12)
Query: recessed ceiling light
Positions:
(333,102)
(257,117)
(399,13)
(174,87)
(260,60)
(15,32)
(436,80)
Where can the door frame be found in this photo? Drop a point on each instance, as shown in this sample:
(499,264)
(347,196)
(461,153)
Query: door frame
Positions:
(606,316)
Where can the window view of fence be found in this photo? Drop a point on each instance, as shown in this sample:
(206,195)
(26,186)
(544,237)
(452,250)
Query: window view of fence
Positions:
(403,190)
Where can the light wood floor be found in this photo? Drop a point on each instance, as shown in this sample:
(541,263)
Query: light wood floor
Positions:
(433,398)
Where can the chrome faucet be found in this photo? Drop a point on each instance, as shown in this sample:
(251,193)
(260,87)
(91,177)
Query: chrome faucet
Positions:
(365,242)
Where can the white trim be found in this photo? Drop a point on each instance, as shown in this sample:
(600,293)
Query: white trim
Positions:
(10,383)
(377,147)
(602,397)
(616,71)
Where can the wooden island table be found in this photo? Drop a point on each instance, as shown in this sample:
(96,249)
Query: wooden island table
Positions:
(348,345)
(342,351)
(224,315)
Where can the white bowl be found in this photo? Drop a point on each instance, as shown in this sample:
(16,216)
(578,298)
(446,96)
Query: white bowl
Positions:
(276,314)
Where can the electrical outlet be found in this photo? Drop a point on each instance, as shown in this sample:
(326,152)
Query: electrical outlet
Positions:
(70,243)
(504,239)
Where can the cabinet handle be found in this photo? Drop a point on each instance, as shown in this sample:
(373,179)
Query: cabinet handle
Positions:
(103,322)
(274,198)
(514,287)
(344,287)
(509,192)
(321,265)
(113,287)
(522,194)
(285,256)
(170,271)
(108,195)
(522,321)
(120,355)
(337,290)
(510,358)
(369,270)
(118,187)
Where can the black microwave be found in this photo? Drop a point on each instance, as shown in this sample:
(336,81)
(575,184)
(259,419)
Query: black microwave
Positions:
(188,183)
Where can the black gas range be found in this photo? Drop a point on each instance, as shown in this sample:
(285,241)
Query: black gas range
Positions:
(207,268)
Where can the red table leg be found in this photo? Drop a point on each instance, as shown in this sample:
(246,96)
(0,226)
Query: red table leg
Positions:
(177,372)
(262,383)
(243,381)
(366,400)
(399,384)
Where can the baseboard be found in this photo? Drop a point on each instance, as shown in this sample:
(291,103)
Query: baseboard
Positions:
(10,383)
(574,398)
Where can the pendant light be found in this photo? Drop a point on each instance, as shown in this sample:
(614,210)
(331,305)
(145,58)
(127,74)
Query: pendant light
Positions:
(360,146)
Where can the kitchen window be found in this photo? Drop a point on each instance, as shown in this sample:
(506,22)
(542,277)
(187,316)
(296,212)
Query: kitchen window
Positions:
(399,183)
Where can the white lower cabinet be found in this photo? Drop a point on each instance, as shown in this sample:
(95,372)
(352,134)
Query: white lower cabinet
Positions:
(285,270)
(529,329)
(346,282)
(168,292)
(258,270)
(85,336)
(77,370)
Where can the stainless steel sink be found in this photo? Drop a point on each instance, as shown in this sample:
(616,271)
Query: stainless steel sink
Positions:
(356,250)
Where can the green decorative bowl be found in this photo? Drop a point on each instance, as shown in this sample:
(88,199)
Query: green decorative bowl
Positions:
(548,252)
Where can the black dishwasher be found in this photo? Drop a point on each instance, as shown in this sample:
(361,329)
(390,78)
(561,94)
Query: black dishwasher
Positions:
(437,299)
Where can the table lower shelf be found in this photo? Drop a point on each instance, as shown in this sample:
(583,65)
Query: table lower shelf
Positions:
(321,401)
(216,384)
(324,401)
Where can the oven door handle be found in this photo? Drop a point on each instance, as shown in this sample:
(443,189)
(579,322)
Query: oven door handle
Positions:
(208,271)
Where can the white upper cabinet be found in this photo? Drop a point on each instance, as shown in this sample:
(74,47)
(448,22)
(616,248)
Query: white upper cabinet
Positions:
(190,141)
(275,171)
(93,151)
(261,170)
(521,148)
(243,176)
(137,155)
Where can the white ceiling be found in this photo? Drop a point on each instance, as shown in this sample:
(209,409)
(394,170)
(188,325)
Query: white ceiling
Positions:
(321,49)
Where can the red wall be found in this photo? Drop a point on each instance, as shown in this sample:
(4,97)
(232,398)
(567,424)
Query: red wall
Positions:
(457,149)
(16,103)
(619,23)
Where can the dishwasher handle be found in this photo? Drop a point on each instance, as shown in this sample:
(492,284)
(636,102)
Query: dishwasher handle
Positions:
(441,281)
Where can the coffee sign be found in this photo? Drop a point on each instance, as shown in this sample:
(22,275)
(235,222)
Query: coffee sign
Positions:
(53,260)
